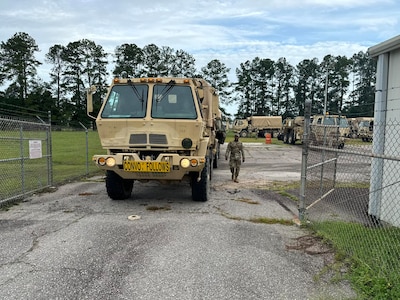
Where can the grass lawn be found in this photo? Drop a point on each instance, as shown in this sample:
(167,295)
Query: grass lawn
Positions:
(71,158)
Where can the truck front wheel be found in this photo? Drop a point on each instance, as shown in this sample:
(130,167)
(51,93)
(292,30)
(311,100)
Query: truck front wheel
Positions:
(117,187)
(244,133)
(201,189)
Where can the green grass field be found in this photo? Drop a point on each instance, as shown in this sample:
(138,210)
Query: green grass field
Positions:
(70,158)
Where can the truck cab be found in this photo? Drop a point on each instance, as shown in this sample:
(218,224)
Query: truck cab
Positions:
(325,130)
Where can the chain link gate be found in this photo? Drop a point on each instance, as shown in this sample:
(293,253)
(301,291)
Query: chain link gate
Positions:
(340,197)
(25,158)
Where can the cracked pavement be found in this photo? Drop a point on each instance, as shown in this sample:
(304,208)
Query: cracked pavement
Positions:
(76,243)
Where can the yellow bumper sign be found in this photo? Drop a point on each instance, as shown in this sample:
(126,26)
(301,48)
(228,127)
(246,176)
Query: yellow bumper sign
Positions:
(146,166)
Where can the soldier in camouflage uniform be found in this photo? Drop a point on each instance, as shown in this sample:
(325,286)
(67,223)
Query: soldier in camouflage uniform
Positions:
(236,155)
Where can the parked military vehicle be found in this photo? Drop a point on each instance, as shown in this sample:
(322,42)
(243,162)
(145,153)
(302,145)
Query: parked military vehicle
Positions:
(160,129)
(344,127)
(353,126)
(258,125)
(366,128)
(366,122)
(325,130)
(292,130)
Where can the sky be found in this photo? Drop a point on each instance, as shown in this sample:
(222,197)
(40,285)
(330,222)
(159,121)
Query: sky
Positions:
(232,31)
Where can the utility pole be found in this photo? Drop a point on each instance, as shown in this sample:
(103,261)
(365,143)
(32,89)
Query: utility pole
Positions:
(326,90)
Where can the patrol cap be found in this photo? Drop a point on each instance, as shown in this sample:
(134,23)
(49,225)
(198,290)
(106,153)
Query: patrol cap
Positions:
(237,134)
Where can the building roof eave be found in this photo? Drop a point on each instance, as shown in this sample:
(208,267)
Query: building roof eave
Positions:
(384,47)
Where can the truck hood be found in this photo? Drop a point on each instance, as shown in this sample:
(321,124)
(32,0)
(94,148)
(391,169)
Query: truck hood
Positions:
(148,134)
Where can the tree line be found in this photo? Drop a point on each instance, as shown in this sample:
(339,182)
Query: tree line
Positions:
(263,86)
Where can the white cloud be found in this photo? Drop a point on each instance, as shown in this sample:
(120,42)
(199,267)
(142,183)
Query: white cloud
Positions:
(232,31)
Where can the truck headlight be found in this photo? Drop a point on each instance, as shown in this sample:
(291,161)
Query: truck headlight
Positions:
(185,163)
(110,161)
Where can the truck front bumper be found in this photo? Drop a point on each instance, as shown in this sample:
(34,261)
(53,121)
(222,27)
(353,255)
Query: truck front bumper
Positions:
(166,167)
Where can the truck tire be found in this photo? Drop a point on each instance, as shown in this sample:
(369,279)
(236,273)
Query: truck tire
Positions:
(117,187)
(291,139)
(215,161)
(201,189)
(244,133)
(285,137)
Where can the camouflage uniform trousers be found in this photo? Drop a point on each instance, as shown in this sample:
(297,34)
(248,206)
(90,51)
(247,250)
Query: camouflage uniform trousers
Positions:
(234,165)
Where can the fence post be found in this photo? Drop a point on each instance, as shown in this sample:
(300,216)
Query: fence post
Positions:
(87,148)
(21,149)
(307,116)
(49,151)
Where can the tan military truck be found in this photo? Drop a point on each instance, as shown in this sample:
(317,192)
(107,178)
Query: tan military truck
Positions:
(292,130)
(325,130)
(162,129)
(365,128)
(353,127)
(258,125)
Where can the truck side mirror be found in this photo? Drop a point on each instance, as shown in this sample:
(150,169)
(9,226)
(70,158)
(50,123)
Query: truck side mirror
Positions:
(89,99)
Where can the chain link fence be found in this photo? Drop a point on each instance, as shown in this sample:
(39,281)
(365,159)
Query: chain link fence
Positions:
(25,158)
(35,156)
(352,197)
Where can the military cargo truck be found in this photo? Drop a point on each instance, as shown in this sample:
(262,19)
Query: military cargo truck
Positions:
(366,123)
(292,130)
(365,128)
(258,125)
(325,130)
(161,129)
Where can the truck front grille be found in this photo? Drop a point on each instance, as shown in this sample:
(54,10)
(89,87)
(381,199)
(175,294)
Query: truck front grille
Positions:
(138,138)
(141,138)
(159,139)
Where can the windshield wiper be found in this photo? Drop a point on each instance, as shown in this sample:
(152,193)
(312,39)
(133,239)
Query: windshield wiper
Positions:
(165,91)
(135,90)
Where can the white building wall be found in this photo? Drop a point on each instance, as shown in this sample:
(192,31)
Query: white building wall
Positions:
(384,189)
(390,210)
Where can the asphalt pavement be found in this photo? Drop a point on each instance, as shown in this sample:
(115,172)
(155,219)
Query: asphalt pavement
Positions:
(76,243)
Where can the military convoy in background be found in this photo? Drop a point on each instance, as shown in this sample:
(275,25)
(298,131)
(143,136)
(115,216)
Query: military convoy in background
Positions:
(329,130)
(158,129)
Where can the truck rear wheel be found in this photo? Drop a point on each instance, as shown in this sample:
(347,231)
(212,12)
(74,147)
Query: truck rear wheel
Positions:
(291,139)
(285,137)
(117,187)
(201,189)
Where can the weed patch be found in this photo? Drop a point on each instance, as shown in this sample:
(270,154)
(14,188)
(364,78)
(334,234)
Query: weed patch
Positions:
(372,256)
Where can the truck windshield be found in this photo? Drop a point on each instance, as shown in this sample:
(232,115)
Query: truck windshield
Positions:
(173,102)
(329,121)
(343,123)
(364,124)
(126,101)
